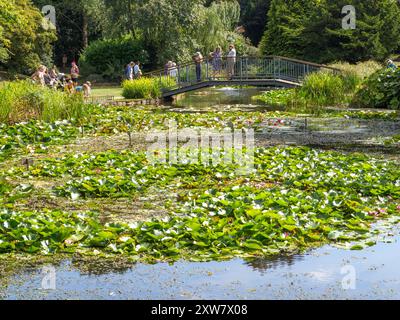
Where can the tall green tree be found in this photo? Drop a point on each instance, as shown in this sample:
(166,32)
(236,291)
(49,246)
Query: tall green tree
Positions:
(25,38)
(78,23)
(254,18)
(312,30)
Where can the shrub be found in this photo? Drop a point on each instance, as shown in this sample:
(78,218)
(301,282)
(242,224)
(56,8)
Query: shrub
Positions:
(146,88)
(323,88)
(143,88)
(381,90)
(24,100)
(109,57)
(319,89)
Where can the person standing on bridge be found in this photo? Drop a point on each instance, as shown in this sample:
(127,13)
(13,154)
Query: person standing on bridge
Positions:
(198,59)
(217,61)
(231,61)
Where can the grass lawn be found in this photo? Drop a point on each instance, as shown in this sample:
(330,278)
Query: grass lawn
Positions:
(107,91)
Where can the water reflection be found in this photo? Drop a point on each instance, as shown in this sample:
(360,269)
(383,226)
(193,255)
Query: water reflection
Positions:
(264,265)
(220,99)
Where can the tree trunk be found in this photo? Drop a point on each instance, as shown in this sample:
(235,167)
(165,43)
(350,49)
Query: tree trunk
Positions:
(85,33)
(130,18)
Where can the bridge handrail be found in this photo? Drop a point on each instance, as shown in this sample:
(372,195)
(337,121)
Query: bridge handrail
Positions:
(273,57)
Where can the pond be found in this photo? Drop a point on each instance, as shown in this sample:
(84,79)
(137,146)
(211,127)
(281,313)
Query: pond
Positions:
(324,273)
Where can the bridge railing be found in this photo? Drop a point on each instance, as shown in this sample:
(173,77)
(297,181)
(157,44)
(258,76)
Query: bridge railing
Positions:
(239,69)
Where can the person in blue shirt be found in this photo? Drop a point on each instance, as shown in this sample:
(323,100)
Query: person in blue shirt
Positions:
(137,73)
(391,65)
(129,71)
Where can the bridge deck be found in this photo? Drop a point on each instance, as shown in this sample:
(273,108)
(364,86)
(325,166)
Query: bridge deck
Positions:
(248,82)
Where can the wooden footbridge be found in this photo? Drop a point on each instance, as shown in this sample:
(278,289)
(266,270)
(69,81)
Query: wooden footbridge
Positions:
(270,71)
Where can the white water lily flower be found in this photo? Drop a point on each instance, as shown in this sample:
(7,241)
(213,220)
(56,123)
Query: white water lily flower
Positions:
(75,196)
(133,225)
(124,238)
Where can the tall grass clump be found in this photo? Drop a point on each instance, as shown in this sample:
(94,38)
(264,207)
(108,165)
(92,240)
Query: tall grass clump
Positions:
(323,88)
(362,69)
(318,90)
(24,100)
(146,88)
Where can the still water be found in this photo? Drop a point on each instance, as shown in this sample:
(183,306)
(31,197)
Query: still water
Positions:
(324,273)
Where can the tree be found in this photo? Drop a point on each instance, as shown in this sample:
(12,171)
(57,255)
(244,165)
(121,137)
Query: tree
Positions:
(254,18)
(78,22)
(312,30)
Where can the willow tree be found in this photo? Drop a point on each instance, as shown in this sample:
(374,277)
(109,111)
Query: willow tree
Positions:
(215,25)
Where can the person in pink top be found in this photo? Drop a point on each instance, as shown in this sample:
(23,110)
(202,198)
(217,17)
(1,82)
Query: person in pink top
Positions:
(74,72)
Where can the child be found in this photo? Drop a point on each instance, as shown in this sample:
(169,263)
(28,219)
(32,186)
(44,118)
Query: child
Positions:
(69,87)
(87,89)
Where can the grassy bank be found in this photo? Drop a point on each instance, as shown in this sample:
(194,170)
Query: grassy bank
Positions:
(365,84)
(23,101)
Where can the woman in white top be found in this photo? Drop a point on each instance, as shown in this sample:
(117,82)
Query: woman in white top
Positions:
(231,60)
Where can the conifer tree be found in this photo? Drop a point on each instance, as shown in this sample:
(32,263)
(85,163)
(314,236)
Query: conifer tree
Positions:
(312,30)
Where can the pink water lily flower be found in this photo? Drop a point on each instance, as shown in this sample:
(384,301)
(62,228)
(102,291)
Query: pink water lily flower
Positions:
(398,208)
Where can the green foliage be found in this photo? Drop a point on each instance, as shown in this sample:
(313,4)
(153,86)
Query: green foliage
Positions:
(24,100)
(296,198)
(34,135)
(311,30)
(361,69)
(78,21)
(253,18)
(323,88)
(381,90)
(319,89)
(110,57)
(175,32)
(146,88)
(24,42)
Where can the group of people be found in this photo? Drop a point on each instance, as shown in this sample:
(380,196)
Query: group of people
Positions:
(133,71)
(171,69)
(54,79)
(216,59)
